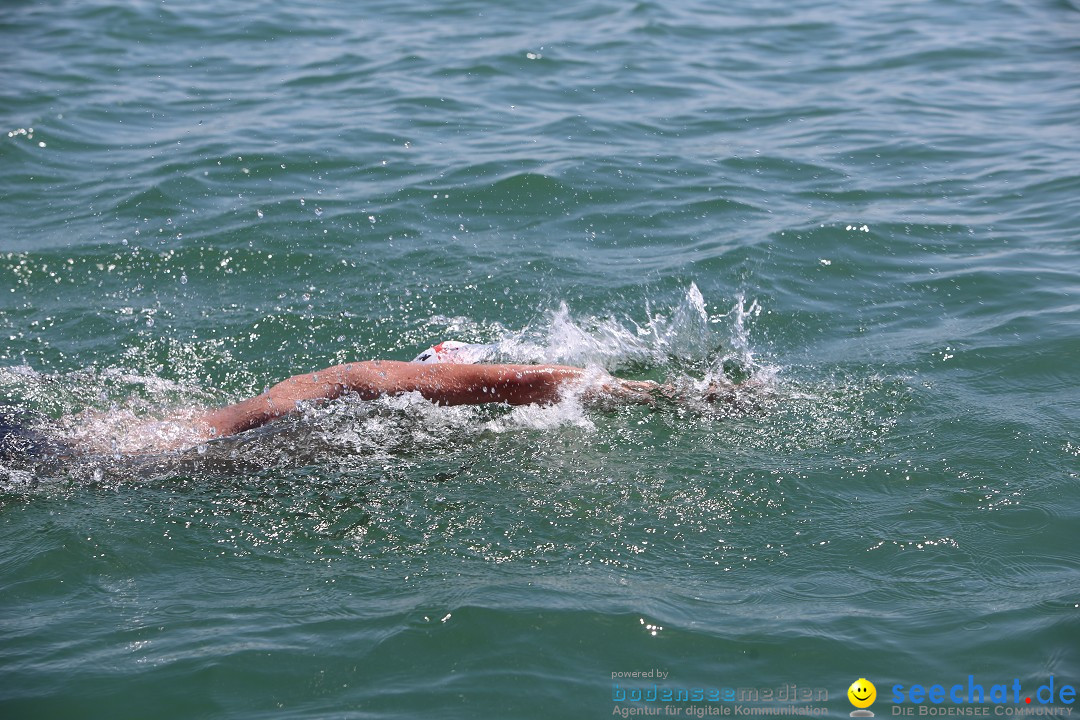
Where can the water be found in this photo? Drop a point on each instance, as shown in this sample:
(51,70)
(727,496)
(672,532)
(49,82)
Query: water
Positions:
(868,208)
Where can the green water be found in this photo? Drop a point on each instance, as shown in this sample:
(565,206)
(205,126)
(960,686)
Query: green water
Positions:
(870,209)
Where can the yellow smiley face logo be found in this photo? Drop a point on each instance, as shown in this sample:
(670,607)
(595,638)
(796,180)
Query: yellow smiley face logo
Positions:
(862,693)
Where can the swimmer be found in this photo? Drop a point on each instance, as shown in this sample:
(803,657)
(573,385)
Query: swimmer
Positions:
(441,383)
(446,374)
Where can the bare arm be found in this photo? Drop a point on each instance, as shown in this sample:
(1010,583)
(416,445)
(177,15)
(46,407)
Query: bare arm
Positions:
(444,384)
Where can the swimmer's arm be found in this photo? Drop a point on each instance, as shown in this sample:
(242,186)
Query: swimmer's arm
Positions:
(280,400)
(443,384)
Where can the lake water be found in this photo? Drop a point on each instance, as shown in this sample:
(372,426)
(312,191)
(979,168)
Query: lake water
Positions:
(868,208)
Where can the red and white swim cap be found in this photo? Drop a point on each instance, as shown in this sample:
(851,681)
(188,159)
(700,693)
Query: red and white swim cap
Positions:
(452,351)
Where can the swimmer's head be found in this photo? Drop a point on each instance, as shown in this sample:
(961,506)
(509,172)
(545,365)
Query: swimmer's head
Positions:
(441,353)
(452,351)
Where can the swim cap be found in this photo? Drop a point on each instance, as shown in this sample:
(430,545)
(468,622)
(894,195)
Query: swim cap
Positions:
(452,351)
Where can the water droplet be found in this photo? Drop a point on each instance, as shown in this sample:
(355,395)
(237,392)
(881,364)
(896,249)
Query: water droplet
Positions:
(183,279)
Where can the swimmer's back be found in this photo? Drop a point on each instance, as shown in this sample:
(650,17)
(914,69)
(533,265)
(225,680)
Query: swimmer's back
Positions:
(20,442)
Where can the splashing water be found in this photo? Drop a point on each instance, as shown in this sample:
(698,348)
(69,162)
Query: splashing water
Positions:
(685,337)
